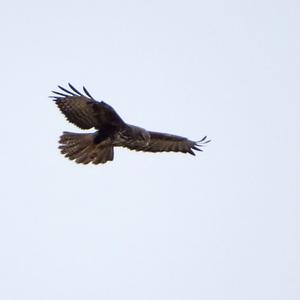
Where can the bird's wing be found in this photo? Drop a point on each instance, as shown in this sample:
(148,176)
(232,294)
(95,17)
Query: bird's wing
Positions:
(164,142)
(83,110)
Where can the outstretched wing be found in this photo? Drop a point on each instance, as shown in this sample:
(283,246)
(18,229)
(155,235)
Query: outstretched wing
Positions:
(84,111)
(164,142)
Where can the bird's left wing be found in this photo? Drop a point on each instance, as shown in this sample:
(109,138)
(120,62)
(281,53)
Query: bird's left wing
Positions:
(164,142)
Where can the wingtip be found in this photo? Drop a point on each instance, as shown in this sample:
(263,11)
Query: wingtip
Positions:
(203,141)
(71,86)
(199,144)
(87,92)
(190,151)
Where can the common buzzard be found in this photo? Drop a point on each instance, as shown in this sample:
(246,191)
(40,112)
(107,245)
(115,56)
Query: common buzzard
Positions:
(84,111)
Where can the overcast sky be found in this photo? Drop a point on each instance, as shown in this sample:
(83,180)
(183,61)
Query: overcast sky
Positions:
(221,225)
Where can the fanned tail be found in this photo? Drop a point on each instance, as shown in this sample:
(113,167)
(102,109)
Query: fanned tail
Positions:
(82,148)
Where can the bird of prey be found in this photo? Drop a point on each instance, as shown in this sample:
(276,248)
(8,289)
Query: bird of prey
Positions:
(81,109)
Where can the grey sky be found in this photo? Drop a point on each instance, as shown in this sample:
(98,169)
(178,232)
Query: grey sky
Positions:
(221,225)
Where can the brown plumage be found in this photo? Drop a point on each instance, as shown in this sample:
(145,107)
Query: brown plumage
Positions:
(86,113)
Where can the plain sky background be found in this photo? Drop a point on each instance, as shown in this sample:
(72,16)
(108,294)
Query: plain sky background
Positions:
(221,225)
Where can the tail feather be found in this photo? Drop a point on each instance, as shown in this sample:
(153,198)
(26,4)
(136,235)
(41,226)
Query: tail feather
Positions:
(82,148)
(101,156)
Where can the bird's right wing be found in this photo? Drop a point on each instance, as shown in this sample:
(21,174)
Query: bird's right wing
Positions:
(160,142)
(83,110)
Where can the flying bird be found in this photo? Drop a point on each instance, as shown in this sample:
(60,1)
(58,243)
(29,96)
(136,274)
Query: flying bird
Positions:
(81,109)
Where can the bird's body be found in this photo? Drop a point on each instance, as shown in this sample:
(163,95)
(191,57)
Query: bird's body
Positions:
(85,112)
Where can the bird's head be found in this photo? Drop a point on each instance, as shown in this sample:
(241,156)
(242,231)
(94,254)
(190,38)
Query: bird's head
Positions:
(141,135)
